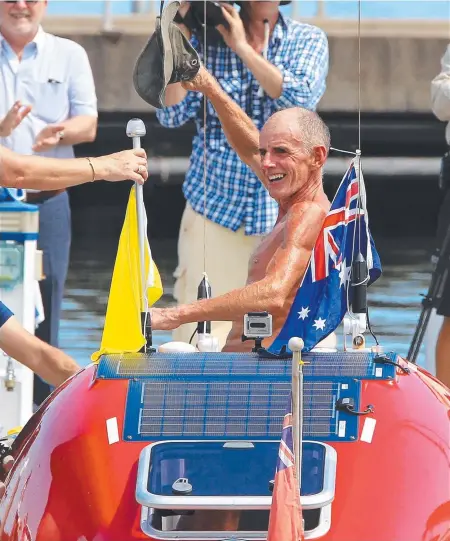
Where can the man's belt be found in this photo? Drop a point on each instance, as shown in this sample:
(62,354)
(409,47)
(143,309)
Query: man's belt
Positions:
(40,197)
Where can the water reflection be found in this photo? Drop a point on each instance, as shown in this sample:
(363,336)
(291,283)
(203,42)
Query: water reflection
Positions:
(394,299)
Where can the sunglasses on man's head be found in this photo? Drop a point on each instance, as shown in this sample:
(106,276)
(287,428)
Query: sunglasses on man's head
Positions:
(17,1)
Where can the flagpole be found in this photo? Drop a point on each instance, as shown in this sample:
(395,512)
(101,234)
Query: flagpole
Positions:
(296,345)
(136,130)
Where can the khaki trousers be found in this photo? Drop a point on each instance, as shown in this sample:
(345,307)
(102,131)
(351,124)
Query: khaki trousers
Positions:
(224,254)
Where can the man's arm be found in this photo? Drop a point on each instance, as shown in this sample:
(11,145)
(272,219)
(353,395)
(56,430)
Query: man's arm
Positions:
(268,75)
(440,89)
(49,363)
(299,80)
(239,129)
(305,70)
(79,129)
(36,172)
(284,273)
(81,126)
(297,77)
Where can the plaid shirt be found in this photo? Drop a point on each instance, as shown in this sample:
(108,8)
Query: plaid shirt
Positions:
(235,195)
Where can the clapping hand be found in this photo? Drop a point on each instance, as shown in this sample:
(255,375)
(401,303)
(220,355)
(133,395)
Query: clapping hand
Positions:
(48,138)
(13,118)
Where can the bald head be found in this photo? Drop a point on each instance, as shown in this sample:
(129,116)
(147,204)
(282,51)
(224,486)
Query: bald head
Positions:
(308,124)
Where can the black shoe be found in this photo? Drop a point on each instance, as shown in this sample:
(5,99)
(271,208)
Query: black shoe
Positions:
(167,58)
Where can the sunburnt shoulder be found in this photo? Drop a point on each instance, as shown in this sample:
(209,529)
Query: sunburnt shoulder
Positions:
(304,221)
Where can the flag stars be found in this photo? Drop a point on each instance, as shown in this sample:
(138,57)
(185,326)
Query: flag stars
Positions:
(319,324)
(344,274)
(303,314)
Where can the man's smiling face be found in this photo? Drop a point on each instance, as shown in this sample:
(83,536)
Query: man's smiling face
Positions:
(285,161)
(294,146)
(21,18)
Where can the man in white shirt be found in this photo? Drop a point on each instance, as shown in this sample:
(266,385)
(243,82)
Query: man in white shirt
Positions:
(440,93)
(440,97)
(46,84)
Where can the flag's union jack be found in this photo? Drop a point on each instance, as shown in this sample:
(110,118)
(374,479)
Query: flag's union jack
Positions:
(286,452)
(326,247)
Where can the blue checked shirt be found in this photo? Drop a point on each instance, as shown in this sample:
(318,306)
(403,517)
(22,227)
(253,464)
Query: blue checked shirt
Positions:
(235,195)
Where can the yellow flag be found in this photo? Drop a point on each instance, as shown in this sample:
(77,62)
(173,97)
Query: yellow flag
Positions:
(122,332)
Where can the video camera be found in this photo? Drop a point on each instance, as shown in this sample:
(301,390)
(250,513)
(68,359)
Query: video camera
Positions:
(213,12)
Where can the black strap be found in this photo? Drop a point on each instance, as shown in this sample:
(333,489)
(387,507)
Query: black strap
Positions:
(178,18)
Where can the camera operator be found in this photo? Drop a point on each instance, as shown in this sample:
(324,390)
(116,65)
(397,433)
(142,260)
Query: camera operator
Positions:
(440,96)
(265,62)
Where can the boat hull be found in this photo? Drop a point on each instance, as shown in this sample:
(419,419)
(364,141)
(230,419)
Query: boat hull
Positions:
(74,479)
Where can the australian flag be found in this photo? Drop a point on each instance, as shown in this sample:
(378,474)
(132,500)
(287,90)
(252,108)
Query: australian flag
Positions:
(325,294)
(285,520)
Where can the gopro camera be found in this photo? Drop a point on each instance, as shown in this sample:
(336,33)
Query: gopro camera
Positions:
(257,325)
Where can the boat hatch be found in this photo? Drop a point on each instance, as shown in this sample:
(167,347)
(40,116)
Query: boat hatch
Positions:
(180,478)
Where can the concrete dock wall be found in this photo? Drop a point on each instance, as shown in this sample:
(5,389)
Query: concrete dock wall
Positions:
(398,61)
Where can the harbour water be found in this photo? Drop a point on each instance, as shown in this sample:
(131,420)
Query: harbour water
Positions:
(347,9)
(394,299)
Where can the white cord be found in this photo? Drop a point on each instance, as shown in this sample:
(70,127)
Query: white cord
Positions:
(265,50)
(343,151)
(204,144)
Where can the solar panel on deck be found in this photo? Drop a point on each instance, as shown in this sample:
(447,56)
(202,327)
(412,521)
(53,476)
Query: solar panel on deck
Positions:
(180,365)
(232,410)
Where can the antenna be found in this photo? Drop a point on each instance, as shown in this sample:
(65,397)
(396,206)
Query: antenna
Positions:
(356,322)
(135,130)
(205,341)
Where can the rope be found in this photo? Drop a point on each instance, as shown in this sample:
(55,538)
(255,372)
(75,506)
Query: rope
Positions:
(204,143)
(343,151)
(265,50)
(358,151)
(359,74)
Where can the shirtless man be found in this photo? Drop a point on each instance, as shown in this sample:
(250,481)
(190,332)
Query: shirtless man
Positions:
(288,157)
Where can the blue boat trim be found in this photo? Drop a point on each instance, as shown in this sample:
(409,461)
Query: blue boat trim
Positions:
(19,237)
(17,206)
